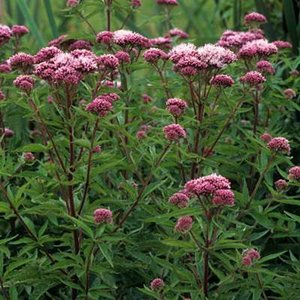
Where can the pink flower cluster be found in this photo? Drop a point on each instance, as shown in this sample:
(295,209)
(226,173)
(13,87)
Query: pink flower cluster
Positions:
(279,144)
(124,38)
(153,55)
(161,42)
(249,256)
(142,132)
(216,186)
(253,78)
(19,30)
(266,67)
(174,132)
(190,61)
(167,2)
(123,57)
(179,199)
(259,48)
(289,93)
(176,106)
(282,44)
(80,44)
(24,82)
(254,18)
(22,61)
(236,39)
(178,32)
(294,173)
(266,137)
(28,157)
(107,61)
(136,3)
(157,284)
(8,133)
(184,224)
(222,80)
(5,34)
(72,3)
(281,184)
(5,68)
(103,215)
(102,105)
(69,68)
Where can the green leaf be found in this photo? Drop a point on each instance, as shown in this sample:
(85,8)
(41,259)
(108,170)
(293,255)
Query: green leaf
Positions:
(271,256)
(106,253)
(51,18)
(32,148)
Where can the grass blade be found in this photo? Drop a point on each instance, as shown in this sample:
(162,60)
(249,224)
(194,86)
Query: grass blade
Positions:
(51,18)
(30,22)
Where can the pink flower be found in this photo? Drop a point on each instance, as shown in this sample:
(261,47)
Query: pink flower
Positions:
(103,215)
(279,144)
(178,32)
(5,68)
(207,185)
(2,96)
(21,61)
(179,199)
(5,34)
(141,134)
(157,284)
(80,44)
(105,37)
(24,82)
(289,93)
(236,39)
(176,106)
(294,173)
(174,132)
(253,78)
(281,184)
(146,98)
(99,106)
(260,48)
(8,133)
(162,42)
(294,73)
(254,18)
(266,137)
(223,197)
(19,30)
(136,3)
(167,2)
(153,55)
(107,61)
(184,224)
(249,256)
(123,57)
(72,3)
(97,149)
(46,53)
(28,157)
(58,41)
(182,50)
(222,80)
(110,97)
(264,66)
(125,38)
(283,44)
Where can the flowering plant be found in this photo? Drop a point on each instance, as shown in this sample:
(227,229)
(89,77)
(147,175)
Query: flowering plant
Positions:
(148,166)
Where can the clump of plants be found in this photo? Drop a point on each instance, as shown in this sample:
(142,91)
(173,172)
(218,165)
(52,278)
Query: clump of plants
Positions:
(151,167)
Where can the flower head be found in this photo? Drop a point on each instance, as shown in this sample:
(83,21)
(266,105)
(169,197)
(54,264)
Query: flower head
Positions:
(153,55)
(249,256)
(8,133)
(157,284)
(179,199)
(289,93)
(266,67)
(107,61)
(259,48)
(179,33)
(5,68)
(279,144)
(105,37)
(281,184)
(176,106)
(123,57)
(125,38)
(72,3)
(21,61)
(282,45)
(24,82)
(99,106)
(46,53)
(80,44)
(136,3)
(28,157)
(254,19)
(19,30)
(5,34)
(294,173)
(146,98)
(97,149)
(184,224)
(223,197)
(167,2)
(253,78)
(103,215)
(266,137)
(174,132)
(222,80)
